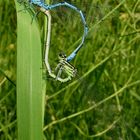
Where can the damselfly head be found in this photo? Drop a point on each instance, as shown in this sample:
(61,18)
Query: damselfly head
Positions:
(62,55)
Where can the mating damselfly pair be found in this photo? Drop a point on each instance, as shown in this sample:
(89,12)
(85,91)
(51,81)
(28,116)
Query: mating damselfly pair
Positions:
(63,66)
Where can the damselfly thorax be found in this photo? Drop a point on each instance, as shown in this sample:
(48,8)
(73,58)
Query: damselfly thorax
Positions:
(64,68)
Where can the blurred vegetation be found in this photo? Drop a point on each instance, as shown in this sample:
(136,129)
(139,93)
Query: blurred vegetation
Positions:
(107,90)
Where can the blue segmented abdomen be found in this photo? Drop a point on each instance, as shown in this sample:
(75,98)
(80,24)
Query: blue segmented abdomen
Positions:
(41,3)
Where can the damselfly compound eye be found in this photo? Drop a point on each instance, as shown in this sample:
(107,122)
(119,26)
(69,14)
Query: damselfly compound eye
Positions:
(62,55)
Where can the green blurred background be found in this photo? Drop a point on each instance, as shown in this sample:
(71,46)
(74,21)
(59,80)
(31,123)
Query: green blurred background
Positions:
(113,42)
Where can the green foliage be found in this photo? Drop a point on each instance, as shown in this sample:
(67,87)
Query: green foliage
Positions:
(103,102)
(30,98)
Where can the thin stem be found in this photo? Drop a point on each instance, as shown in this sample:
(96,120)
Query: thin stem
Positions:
(126,85)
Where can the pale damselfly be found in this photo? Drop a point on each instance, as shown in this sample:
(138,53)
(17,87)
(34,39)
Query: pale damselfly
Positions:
(63,67)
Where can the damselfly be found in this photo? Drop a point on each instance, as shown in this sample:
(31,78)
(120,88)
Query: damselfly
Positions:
(63,62)
(64,71)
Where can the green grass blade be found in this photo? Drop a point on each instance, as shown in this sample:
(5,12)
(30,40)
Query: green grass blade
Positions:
(30,105)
